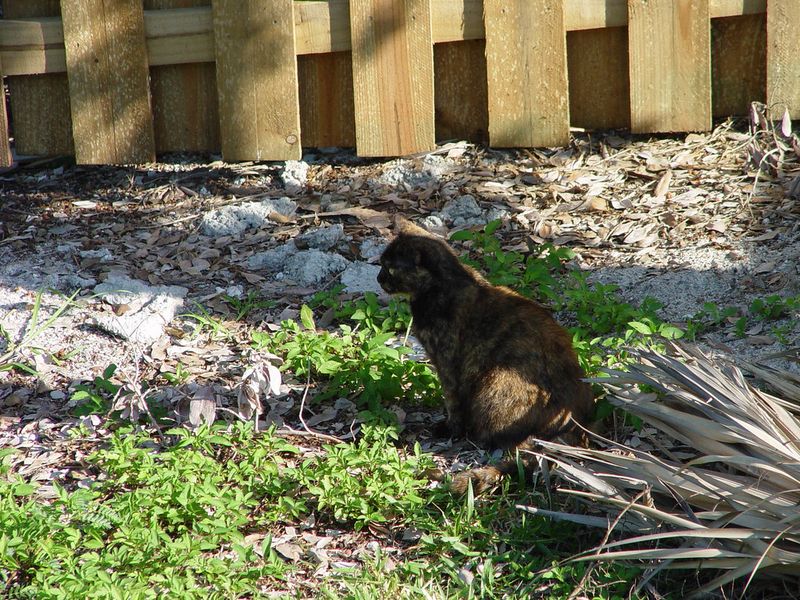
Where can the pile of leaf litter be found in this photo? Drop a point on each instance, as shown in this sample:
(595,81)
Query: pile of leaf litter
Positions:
(714,216)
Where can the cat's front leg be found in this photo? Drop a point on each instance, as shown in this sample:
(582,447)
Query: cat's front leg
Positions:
(453,426)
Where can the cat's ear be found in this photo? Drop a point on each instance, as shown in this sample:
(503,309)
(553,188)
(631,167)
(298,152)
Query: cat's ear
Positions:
(406,227)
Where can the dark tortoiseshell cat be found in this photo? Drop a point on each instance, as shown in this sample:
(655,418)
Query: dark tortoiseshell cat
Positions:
(508,370)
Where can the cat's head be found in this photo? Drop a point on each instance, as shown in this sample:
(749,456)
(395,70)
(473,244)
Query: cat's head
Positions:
(414,261)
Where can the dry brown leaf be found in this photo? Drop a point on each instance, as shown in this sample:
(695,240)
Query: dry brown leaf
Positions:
(663,184)
(289,551)
(203,406)
(786,124)
(594,203)
(636,235)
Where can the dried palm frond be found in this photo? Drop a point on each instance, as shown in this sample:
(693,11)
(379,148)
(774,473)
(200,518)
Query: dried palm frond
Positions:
(723,483)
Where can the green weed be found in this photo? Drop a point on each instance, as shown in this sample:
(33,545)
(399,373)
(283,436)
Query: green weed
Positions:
(370,481)
(95,398)
(205,321)
(354,360)
(177,377)
(242,307)
(14,355)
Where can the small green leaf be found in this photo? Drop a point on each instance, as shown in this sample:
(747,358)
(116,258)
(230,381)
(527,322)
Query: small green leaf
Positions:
(640,327)
(307,318)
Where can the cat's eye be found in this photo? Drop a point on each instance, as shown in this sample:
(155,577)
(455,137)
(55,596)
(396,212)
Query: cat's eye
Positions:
(392,271)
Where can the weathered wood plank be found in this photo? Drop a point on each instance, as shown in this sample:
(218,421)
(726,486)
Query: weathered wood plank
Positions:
(738,63)
(185,109)
(186,35)
(6,159)
(783,57)
(112,120)
(599,88)
(461,97)
(322,27)
(670,65)
(526,62)
(392,76)
(257,79)
(39,105)
(326,99)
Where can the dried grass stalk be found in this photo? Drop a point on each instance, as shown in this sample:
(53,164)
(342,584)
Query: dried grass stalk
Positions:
(729,500)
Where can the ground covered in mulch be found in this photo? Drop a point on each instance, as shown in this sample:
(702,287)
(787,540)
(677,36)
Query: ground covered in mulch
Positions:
(688,220)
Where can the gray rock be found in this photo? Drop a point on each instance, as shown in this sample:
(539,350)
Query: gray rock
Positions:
(361,277)
(69,282)
(294,176)
(236,218)
(432,222)
(151,308)
(372,248)
(324,238)
(495,212)
(401,173)
(463,211)
(309,267)
(101,254)
(273,259)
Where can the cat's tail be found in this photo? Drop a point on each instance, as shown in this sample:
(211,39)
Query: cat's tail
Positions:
(485,478)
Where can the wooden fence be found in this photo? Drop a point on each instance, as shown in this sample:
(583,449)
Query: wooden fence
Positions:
(116,81)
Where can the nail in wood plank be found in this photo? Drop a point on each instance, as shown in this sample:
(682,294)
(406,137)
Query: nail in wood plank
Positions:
(108,81)
(670,65)
(783,50)
(526,61)
(392,76)
(257,79)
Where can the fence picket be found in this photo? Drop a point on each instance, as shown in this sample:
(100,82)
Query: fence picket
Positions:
(783,48)
(39,105)
(738,64)
(185,109)
(5,144)
(257,79)
(112,121)
(460,84)
(392,76)
(526,62)
(326,99)
(599,88)
(389,75)
(670,65)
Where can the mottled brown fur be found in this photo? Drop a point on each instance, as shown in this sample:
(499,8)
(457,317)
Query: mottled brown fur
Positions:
(508,370)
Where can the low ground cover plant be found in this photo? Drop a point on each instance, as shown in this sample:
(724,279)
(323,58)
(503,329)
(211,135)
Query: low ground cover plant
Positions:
(194,514)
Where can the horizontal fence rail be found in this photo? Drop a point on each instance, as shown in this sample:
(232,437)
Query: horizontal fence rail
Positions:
(115,81)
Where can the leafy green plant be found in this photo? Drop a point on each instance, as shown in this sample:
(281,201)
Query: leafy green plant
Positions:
(13,356)
(205,321)
(162,521)
(368,482)
(711,315)
(177,377)
(244,306)
(536,276)
(357,361)
(774,307)
(96,397)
